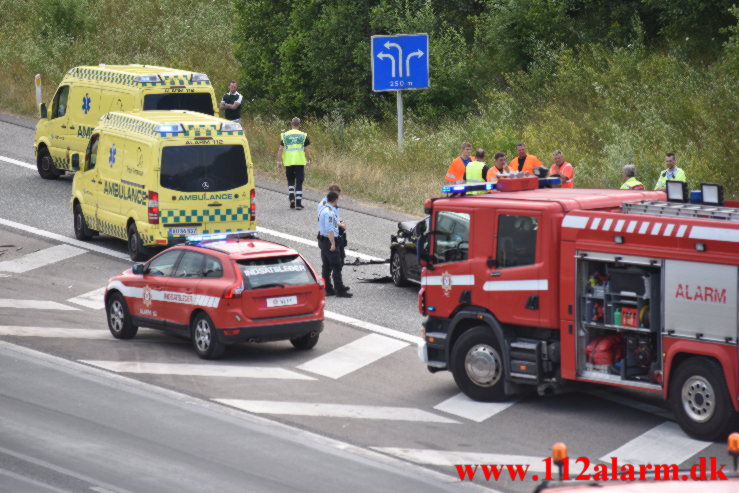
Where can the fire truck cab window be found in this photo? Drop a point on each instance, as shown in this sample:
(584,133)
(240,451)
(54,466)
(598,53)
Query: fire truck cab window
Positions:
(516,241)
(451,238)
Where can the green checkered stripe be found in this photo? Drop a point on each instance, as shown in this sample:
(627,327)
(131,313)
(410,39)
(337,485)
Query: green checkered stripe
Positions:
(130,123)
(207,215)
(60,162)
(116,230)
(103,75)
(207,130)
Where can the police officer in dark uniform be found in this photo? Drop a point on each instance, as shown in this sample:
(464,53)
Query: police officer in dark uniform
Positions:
(329,241)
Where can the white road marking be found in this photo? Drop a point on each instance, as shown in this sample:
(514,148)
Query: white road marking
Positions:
(449,458)
(336,410)
(379,329)
(63,239)
(353,356)
(464,407)
(34,305)
(92,299)
(40,258)
(198,370)
(23,331)
(18,163)
(663,444)
(314,243)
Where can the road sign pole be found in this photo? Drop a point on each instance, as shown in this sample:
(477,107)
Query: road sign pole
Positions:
(399,99)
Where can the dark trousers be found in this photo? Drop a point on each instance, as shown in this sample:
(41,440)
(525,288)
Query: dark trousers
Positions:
(331,263)
(295,176)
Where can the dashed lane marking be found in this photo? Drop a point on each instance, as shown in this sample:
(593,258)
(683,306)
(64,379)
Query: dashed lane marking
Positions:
(34,305)
(198,370)
(22,331)
(663,444)
(379,329)
(353,356)
(464,407)
(18,163)
(40,258)
(314,243)
(92,299)
(326,410)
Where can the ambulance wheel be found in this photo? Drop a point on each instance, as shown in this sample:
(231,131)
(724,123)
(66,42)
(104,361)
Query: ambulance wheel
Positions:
(119,320)
(204,338)
(700,400)
(81,231)
(308,341)
(477,365)
(397,269)
(136,249)
(45,165)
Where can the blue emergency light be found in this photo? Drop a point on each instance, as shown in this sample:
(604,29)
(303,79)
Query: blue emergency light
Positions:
(486,187)
(231,235)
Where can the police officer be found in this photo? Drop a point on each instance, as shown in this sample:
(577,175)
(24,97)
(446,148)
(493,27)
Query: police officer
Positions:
(294,153)
(329,242)
(477,171)
(672,172)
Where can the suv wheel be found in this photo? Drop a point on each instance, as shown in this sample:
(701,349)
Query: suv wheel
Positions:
(308,341)
(119,320)
(397,269)
(204,338)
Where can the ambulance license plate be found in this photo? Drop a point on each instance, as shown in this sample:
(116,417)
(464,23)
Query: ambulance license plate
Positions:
(183,231)
(282,301)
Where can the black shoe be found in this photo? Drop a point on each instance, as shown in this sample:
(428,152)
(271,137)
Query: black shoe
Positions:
(330,292)
(292,204)
(299,207)
(344,294)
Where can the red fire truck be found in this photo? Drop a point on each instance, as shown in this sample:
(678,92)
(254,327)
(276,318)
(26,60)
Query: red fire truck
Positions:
(619,287)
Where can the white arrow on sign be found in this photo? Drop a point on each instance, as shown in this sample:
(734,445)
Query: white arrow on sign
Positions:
(387,45)
(382,55)
(418,53)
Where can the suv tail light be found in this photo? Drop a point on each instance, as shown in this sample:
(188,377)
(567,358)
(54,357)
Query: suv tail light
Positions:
(153,207)
(252,204)
(237,287)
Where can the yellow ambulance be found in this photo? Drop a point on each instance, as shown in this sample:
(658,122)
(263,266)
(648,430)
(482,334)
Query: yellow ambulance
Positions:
(87,93)
(154,177)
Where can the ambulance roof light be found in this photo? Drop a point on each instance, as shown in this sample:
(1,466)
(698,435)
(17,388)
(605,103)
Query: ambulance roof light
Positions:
(231,127)
(677,191)
(712,194)
(147,78)
(199,78)
(170,128)
(220,237)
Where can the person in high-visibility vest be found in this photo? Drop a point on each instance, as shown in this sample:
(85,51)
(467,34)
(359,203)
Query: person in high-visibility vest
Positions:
(671,173)
(294,154)
(477,171)
(524,162)
(630,181)
(499,167)
(563,170)
(455,173)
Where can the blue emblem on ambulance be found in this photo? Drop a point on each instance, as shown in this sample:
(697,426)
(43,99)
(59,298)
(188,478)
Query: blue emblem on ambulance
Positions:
(86,103)
(111,159)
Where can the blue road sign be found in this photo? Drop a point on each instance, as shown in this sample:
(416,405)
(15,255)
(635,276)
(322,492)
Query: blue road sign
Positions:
(400,62)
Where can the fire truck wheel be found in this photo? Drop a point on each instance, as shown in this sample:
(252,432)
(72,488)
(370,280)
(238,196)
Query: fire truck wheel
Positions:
(204,338)
(397,269)
(119,320)
(477,365)
(45,166)
(700,400)
(81,231)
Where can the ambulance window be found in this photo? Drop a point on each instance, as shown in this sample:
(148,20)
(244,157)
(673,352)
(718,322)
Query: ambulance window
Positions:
(92,152)
(198,101)
(516,240)
(163,265)
(452,236)
(190,265)
(205,168)
(212,267)
(60,102)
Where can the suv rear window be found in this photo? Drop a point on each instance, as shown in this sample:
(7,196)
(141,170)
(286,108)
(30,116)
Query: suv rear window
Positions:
(198,101)
(206,168)
(275,271)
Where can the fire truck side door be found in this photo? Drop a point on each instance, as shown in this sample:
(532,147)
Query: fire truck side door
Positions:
(516,284)
(451,274)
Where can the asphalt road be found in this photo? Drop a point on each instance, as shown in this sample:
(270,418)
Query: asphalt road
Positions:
(362,385)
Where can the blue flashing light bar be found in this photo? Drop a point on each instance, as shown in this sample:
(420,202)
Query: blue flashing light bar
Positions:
(221,237)
(486,187)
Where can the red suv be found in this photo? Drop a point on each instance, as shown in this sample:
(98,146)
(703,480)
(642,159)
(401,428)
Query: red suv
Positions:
(220,289)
